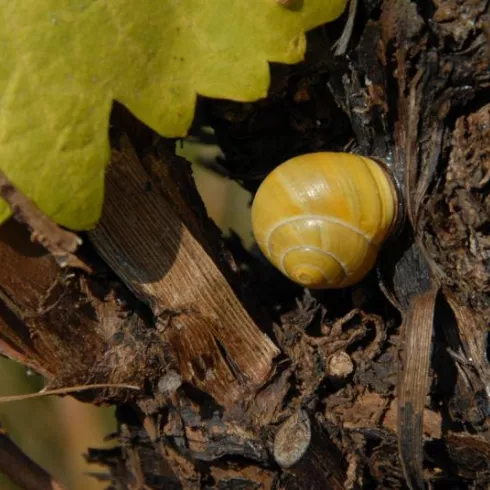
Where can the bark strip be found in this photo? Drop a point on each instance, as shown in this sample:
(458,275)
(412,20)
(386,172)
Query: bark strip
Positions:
(219,348)
(61,243)
(413,386)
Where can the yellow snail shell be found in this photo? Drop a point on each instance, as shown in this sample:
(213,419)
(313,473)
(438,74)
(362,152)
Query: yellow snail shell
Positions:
(321,218)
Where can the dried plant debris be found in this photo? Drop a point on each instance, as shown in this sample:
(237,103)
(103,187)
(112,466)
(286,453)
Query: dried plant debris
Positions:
(413,385)
(292,439)
(458,212)
(61,243)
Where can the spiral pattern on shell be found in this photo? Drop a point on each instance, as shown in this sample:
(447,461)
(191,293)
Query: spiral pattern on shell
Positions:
(321,218)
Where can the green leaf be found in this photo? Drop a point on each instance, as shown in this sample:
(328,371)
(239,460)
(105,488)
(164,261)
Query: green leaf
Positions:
(63,62)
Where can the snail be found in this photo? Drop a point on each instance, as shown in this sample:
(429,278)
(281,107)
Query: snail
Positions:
(321,218)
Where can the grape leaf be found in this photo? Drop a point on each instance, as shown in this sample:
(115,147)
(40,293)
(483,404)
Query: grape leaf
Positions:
(63,62)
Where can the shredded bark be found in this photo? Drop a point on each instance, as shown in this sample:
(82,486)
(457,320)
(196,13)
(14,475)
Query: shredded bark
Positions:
(197,312)
(414,385)
(61,243)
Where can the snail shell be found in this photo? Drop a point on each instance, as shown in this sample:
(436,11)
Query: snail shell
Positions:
(321,218)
